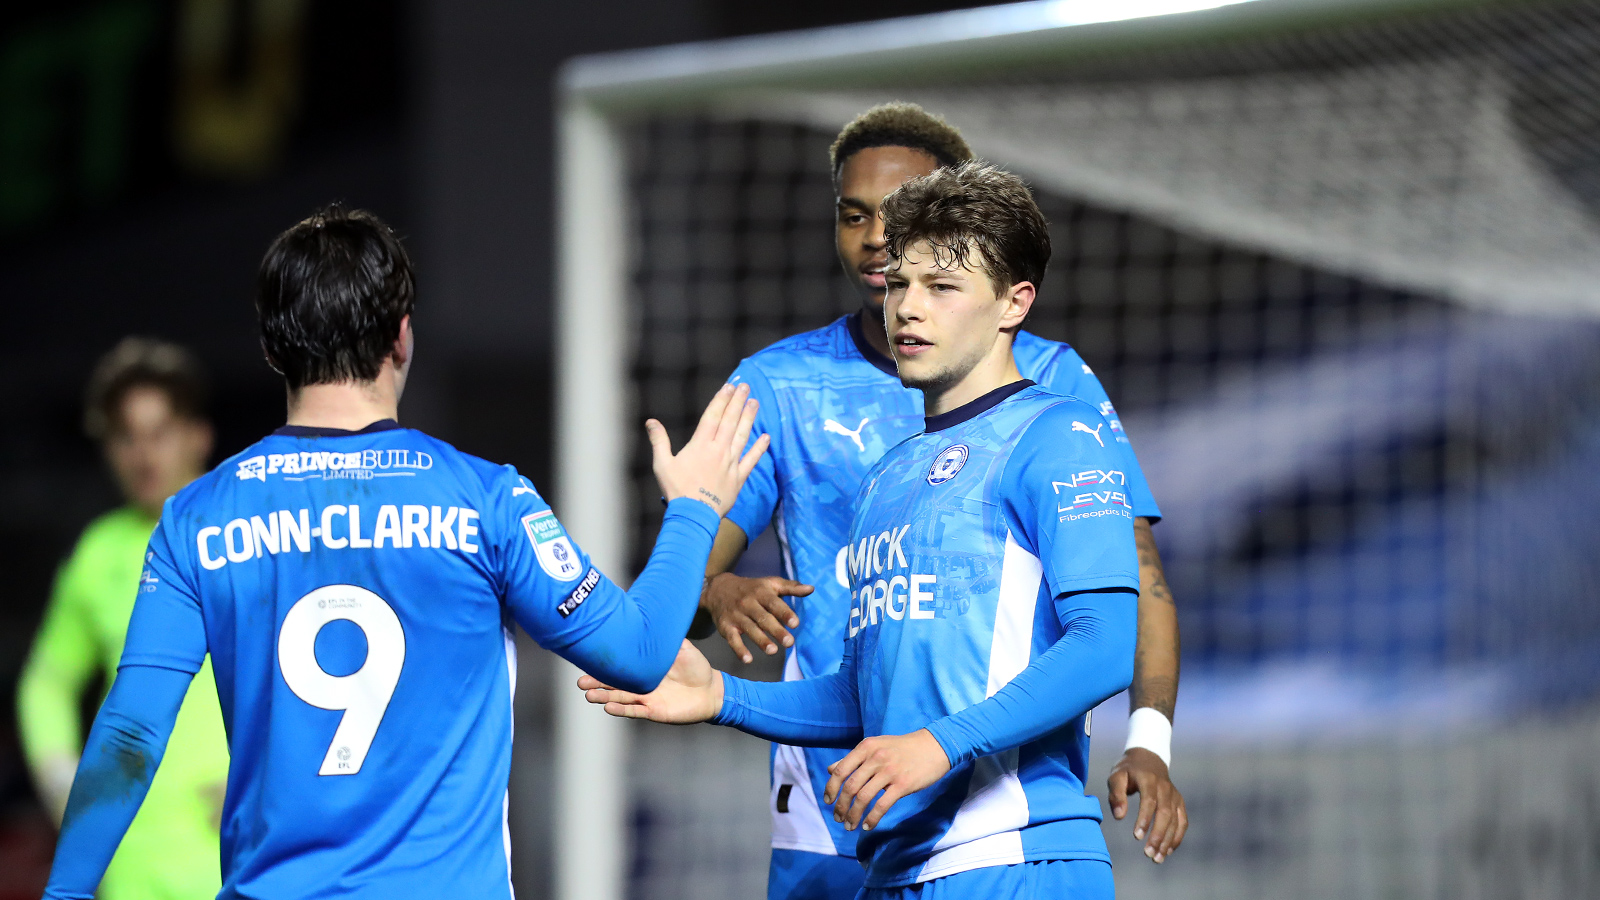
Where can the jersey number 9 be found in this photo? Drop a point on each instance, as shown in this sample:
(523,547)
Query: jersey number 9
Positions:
(363,694)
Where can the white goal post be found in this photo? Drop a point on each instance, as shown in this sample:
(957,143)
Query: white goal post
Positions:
(592,419)
(817,77)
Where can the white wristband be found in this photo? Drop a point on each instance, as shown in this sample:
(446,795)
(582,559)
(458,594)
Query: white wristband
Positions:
(1150,730)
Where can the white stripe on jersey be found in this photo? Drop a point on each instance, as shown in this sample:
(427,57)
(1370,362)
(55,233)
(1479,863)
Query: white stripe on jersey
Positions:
(783,545)
(505,802)
(1011,649)
(985,830)
(802,827)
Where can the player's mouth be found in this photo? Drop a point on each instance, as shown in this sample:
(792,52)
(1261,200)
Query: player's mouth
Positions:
(872,274)
(910,345)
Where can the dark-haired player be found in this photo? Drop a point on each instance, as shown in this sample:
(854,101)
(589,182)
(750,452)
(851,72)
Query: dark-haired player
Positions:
(355,583)
(833,404)
(993,575)
(147,408)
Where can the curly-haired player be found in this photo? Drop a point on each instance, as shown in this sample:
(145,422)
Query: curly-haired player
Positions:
(992,578)
(833,404)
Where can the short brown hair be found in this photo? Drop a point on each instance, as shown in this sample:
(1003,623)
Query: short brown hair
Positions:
(973,206)
(899,124)
(143,362)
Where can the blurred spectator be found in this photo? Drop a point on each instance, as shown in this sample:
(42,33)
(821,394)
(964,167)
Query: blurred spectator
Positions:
(146,407)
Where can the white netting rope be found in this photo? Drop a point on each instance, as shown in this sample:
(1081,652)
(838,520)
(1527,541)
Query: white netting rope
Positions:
(1418,174)
(1304,272)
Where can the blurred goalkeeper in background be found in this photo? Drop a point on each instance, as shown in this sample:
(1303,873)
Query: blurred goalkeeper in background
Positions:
(833,404)
(146,406)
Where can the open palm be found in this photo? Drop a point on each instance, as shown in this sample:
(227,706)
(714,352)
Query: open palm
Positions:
(691,692)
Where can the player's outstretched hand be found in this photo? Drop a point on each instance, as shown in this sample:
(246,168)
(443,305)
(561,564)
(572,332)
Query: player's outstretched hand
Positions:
(691,692)
(713,465)
(755,607)
(1162,819)
(896,764)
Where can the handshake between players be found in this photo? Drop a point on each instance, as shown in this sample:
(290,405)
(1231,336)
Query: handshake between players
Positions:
(990,559)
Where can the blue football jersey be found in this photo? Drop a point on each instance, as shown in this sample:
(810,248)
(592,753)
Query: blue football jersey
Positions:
(356,591)
(833,406)
(963,537)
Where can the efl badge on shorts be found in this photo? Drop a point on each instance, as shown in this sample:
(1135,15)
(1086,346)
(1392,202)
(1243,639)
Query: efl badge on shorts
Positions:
(556,554)
(948,463)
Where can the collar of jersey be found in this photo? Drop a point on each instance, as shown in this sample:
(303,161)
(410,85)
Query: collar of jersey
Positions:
(884,363)
(310,431)
(973,408)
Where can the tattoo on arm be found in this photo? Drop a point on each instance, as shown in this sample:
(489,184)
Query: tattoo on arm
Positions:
(1155,662)
(1150,561)
(1160,694)
(715,500)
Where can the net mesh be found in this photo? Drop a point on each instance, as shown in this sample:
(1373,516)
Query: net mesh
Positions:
(1340,287)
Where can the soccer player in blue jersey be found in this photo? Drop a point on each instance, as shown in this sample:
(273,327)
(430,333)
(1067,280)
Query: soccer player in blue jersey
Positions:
(355,583)
(833,404)
(994,576)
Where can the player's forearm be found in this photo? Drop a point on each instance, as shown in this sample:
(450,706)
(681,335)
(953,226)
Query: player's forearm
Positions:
(1091,661)
(726,550)
(60,664)
(810,712)
(634,647)
(1155,670)
(125,747)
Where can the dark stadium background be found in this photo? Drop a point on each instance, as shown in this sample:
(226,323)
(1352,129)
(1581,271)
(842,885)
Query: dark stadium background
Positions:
(436,115)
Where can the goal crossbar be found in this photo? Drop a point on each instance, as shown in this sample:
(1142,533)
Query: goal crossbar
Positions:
(599,94)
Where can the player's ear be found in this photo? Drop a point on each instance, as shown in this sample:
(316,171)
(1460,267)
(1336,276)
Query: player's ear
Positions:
(205,440)
(404,343)
(1018,300)
(271,363)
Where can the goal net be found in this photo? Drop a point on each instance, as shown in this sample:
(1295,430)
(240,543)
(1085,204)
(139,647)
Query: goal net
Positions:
(1358,240)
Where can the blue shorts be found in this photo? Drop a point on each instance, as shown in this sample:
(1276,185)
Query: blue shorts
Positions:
(798,875)
(1055,879)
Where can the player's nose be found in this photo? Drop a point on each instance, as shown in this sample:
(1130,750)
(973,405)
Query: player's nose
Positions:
(874,238)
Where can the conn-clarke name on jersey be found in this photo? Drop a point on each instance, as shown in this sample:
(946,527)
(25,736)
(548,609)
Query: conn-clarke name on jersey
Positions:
(909,595)
(337,527)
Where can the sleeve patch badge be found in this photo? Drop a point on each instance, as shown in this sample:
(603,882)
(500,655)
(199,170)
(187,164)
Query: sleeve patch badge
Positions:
(579,594)
(556,554)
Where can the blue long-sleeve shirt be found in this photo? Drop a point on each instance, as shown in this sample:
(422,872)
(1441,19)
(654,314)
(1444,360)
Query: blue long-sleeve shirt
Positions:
(1091,661)
(356,592)
(993,581)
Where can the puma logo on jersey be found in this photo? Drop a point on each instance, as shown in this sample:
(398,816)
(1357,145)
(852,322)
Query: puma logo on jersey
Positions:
(523,488)
(1092,432)
(832,427)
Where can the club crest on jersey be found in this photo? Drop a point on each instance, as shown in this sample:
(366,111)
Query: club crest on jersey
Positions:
(556,554)
(947,464)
